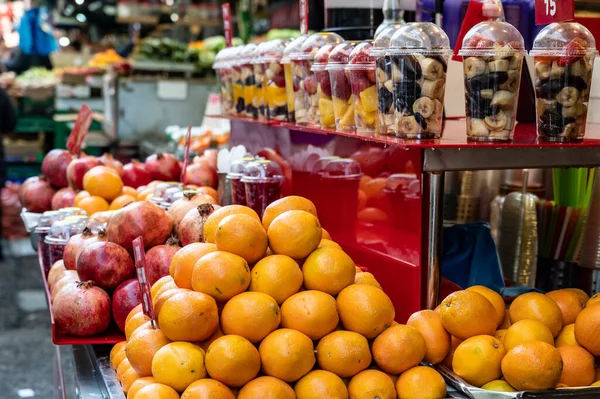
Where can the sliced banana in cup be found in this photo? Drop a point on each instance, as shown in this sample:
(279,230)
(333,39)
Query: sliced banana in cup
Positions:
(433,88)
(496,122)
(556,71)
(503,99)
(425,106)
(432,69)
(575,111)
(477,128)
(512,83)
(408,125)
(542,69)
(474,66)
(498,65)
(487,94)
(568,96)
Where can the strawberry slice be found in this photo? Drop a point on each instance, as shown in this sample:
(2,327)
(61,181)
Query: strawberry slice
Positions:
(574,52)
(474,40)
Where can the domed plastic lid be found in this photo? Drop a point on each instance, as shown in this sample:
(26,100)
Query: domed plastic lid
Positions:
(419,37)
(238,168)
(161,188)
(491,38)
(314,43)
(361,57)
(172,194)
(61,230)
(340,55)
(295,46)
(272,50)
(322,57)
(262,171)
(48,218)
(399,182)
(564,38)
(222,57)
(338,168)
(382,40)
(246,54)
(71,211)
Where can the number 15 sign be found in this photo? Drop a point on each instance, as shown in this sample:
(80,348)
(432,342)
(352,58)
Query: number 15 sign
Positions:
(548,11)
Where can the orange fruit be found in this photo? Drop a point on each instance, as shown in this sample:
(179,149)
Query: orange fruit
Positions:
(477,360)
(569,302)
(578,366)
(221,275)
(295,234)
(500,335)
(137,309)
(128,378)
(103,182)
(374,187)
(252,315)
(129,191)
(287,354)
(365,309)
(289,203)
(580,293)
(93,204)
(209,191)
(278,276)
(362,200)
(566,336)
(421,383)
(325,234)
(366,278)
(495,299)
(207,388)
(593,300)
(159,283)
(329,270)
(212,222)
(372,215)
(232,360)
(123,367)
(139,384)
(136,321)
(169,286)
(117,354)
(313,313)
(328,243)
(398,349)
(454,342)
(344,353)
(121,201)
(533,365)
(156,391)
(178,364)
(498,386)
(437,339)
(162,298)
(321,384)
(527,330)
(141,348)
(189,316)
(536,306)
(79,196)
(370,384)
(242,235)
(184,260)
(206,343)
(466,314)
(587,329)
(266,388)
(506,322)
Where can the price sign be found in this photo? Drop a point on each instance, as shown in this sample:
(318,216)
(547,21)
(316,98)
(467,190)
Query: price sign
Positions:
(303,17)
(80,129)
(140,269)
(227,28)
(187,154)
(548,11)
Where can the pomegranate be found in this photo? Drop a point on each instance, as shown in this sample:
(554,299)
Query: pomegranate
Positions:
(55,273)
(36,194)
(68,276)
(163,166)
(135,174)
(105,263)
(126,297)
(64,198)
(54,167)
(180,208)
(158,260)
(140,218)
(74,247)
(108,160)
(191,228)
(77,168)
(201,174)
(83,311)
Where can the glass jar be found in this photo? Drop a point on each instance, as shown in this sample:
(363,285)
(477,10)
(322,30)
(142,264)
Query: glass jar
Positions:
(262,183)
(341,91)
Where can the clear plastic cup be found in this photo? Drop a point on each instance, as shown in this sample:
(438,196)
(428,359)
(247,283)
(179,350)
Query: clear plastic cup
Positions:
(361,73)
(42,229)
(239,105)
(307,97)
(564,58)
(234,177)
(326,115)
(247,78)
(276,102)
(59,234)
(259,102)
(160,190)
(262,182)
(292,85)
(383,75)
(224,78)
(492,54)
(419,52)
(341,91)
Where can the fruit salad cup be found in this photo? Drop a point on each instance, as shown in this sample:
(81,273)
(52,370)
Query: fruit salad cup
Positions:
(276,103)
(249,83)
(262,182)
(492,61)
(327,118)
(234,177)
(42,230)
(224,79)
(291,82)
(419,54)
(361,73)
(563,71)
(383,75)
(341,91)
(258,102)
(239,105)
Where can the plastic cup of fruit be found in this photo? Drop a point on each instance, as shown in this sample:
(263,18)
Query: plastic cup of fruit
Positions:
(361,73)
(492,54)
(383,75)
(234,177)
(291,82)
(248,80)
(262,182)
(59,234)
(258,100)
(276,103)
(224,79)
(326,116)
(239,105)
(341,92)
(419,54)
(42,230)
(563,71)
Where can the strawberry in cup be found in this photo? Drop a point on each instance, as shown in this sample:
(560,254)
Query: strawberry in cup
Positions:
(341,91)
(361,73)
(327,118)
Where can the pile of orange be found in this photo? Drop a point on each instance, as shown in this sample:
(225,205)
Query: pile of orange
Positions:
(273,308)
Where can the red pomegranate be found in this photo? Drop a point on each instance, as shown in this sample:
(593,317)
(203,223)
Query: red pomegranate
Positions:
(191,228)
(163,166)
(67,277)
(36,194)
(64,198)
(74,247)
(83,311)
(105,263)
(55,272)
(77,168)
(126,297)
(201,174)
(108,160)
(135,174)
(140,218)
(158,260)
(54,167)
(180,208)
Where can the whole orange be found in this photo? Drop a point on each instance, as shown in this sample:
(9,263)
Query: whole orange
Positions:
(313,313)
(117,353)
(578,366)
(289,203)
(566,336)
(466,314)
(212,222)
(328,243)
(160,300)
(536,306)
(498,386)
(121,201)
(495,299)
(421,383)
(129,191)
(437,339)
(533,365)
(372,215)
(123,367)
(527,330)
(587,329)
(266,387)
(103,182)
(156,391)
(252,315)
(398,349)
(325,234)
(329,270)
(221,275)
(321,384)
(365,309)
(232,360)
(207,388)
(366,278)
(136,321)
(580,293)
(287,354)
(142,346)
(278,276)
(93,204)
(371,384)
(136,309)
(168,286)
(500,335)
(184,260)
(209,191)
(128,378)
(569,302)
(139,384)
(178,364)
(454,342)
(295,234)
(242,235)
(477,360)
(189,316)
(79,196)
(159,283)
(593,300)
(344,353)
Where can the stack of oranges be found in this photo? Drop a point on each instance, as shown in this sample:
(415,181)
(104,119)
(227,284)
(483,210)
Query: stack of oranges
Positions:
(103,190)
(274,308)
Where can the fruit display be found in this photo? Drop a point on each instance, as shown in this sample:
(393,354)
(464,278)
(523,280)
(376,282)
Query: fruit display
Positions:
(248,82)
(275,91)
(563,71)
(327,119)
(492,54)
(341,92)
(383,78)
(361,73)
(224,78)
(292,83)
(419,53)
